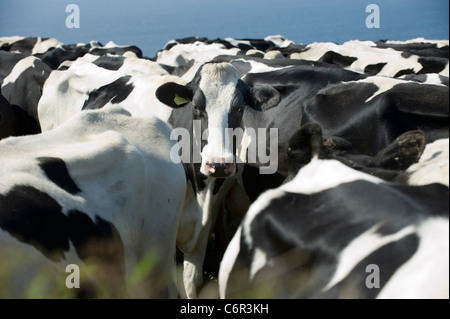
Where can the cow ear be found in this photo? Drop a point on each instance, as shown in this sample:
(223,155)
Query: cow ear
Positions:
(403,152)
(174,95)
(264,97)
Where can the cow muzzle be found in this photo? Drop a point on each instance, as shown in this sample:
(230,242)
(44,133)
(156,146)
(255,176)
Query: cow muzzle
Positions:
(219,168)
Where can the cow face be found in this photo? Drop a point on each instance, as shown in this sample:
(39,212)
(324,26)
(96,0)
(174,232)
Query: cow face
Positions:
(217,97)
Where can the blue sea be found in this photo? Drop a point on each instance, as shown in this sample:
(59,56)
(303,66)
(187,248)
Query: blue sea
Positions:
(149,24)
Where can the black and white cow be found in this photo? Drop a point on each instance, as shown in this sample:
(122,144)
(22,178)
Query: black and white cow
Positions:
(101,186)
(22,78)
(373,112)
(28,45)
(209,109)
(334,232)
(92,82)
(366,57)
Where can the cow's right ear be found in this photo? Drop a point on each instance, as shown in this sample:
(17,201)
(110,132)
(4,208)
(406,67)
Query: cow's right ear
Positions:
(174,95)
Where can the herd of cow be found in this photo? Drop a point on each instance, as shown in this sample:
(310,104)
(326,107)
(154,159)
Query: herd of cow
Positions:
(361,151)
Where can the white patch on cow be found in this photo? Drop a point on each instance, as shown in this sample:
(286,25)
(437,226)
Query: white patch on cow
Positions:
(10,40)
(361,247)
(218,84)
(433,165)
(273,55)
(258,67)
(259,260)
(279,41)
(439,43)
(18,69)
(384,84)
(43,46)
(425,275)
(357,44)
(320,175)
(236,43)
(445,72)
(181,54)
(228,260)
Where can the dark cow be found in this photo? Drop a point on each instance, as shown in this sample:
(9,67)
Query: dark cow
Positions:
(373,112)
(334,232)
(100,188)
(387,164)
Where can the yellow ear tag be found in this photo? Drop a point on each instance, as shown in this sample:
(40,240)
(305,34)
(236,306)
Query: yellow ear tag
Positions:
(179,100)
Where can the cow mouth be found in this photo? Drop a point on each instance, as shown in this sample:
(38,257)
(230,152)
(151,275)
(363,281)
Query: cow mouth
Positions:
(220,170)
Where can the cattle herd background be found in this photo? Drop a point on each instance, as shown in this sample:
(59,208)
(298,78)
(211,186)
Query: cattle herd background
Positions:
(361,178)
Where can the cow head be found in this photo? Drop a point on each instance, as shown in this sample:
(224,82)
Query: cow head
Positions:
(216,97)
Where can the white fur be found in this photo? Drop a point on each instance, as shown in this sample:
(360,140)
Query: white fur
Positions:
(433,165)
(426,274)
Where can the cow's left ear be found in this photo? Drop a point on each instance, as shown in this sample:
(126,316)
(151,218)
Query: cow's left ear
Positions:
(174,95)
(264,97)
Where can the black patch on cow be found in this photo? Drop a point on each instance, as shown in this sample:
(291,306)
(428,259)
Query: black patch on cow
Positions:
(25,45)
(444,80)
(332,57)
(374,69)
(114,92)
(406,55)
(33,217)
(404,72)
(117,51)
(27,124)
(242,67)
(55,57)
(110,63)
(95,239)
(432,65)
(255,183)
(56,170)
(217,185)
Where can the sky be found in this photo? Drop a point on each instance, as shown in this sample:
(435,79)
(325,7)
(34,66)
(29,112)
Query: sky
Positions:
(150,24)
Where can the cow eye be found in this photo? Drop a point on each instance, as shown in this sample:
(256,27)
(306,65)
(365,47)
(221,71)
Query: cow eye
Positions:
(240,109)
(197,111)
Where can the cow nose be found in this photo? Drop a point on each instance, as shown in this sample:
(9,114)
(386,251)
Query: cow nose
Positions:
(220,169)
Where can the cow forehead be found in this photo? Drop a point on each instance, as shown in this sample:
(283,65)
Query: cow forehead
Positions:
(218,83)
(219,73)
